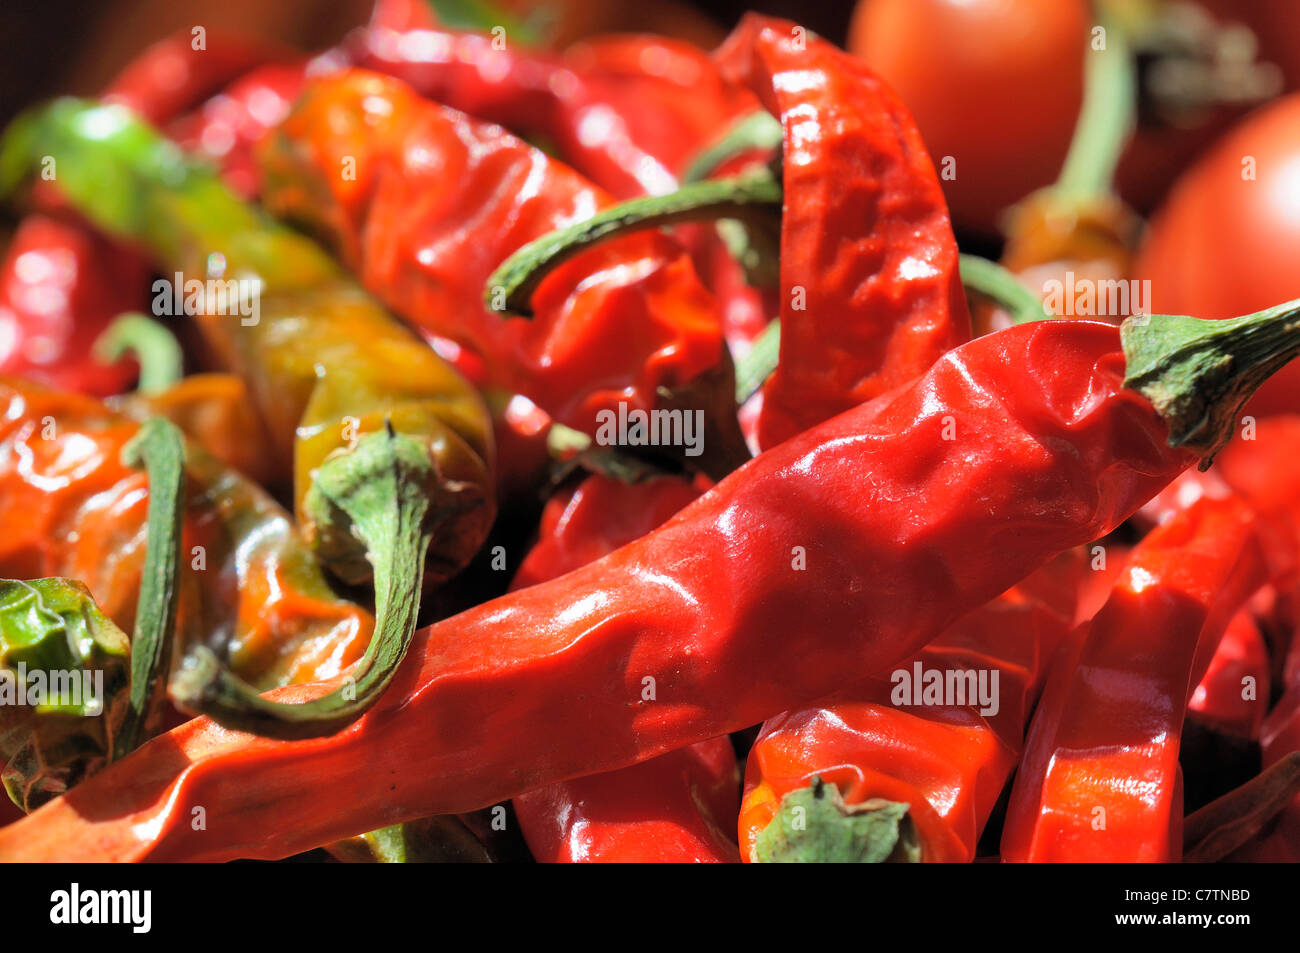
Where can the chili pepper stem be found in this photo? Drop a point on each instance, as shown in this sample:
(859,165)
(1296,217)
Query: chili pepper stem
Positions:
(153,346)
(1002,287)
(1199,373)
(829,831)
(158,447)
(518,276)
(758,130)
(381,487)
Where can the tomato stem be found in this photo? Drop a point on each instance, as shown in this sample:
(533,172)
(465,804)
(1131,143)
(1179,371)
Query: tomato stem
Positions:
(1108,115)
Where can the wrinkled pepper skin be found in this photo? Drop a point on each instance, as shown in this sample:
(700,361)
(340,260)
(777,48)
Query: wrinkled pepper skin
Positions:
(325,364)
(71,508)
(949,763)
(439,200)
(715,591)
(870,289)
(677,808)
(1104,742)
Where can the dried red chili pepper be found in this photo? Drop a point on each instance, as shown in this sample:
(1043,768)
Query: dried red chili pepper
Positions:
(858,316)
(944,760)
(438,200)
(1100,778)
(718,591)
(677,808)
(863,228)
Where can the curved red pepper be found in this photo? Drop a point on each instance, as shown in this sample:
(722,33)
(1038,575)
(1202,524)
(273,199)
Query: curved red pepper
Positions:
(1100,778)
(865,232)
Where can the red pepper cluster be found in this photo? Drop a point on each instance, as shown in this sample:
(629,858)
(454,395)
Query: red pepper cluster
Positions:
(941,581)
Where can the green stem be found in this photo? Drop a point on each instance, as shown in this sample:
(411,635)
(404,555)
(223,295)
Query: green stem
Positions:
(757,366)
(755,131)
(1107,118)
(158,448)
(814,825)
(381,487)
(995,282)
(1199,373)
(153,346)
(511,286)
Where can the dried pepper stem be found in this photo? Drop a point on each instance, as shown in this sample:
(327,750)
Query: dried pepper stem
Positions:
(759,130)
(1198,373)
(152,345)
(380,488)
(520,274)
(993,281)
(830,831)
(159,449)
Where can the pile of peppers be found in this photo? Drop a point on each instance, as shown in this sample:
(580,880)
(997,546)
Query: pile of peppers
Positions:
(448,447)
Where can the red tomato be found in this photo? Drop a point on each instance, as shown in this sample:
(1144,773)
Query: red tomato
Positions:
(995,84)
(1226,243)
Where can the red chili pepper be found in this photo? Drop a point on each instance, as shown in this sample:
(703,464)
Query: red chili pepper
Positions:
(1100,778)
(865,232)
(677,808)
(438,200)
(946,759)
(1233,695)
(229,126)
(60,285)
(715,606)
(600,515)
(172,76)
